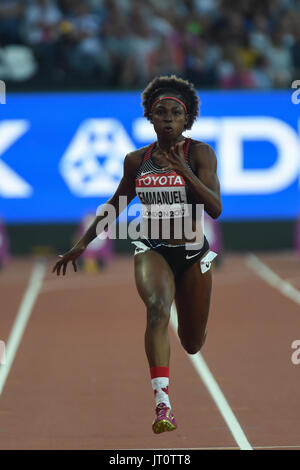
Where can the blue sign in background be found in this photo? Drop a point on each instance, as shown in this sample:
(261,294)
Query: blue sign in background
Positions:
(54,163)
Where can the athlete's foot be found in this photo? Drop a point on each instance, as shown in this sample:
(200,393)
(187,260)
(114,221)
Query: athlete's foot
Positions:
(165,420)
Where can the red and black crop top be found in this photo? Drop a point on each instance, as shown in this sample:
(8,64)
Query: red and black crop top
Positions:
(162,193)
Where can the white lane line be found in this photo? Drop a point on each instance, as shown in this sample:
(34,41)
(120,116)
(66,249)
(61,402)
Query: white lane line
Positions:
(222,448)
(215,392)
(25,309)
(189,448)
(276,447)
(263,271)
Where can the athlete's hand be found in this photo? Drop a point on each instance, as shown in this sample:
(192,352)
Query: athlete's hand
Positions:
(70,256)
(176,159)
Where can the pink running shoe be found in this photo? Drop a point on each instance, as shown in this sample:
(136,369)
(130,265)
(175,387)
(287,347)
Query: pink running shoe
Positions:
(165,420)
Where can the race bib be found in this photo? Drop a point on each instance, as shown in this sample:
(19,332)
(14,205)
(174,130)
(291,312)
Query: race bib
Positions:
(162,196)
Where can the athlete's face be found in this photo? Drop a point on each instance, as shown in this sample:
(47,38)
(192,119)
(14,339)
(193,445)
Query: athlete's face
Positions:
(169,119)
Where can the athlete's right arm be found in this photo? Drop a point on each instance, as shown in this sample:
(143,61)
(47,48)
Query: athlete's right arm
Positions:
(126,188)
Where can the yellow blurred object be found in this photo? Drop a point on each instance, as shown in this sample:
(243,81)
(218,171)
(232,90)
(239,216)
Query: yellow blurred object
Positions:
(66,27)
(248,57)
(90,266)
(42,250)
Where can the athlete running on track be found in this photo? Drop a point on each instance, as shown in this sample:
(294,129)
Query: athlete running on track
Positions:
(173,173)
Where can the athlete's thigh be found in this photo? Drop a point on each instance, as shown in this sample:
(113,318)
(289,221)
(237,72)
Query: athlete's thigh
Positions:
(193,291)
(154,278)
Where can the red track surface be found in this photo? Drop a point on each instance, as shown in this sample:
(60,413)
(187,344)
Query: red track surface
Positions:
(80,378)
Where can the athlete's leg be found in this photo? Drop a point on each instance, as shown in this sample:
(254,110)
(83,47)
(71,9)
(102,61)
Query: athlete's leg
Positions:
(192,298)
(155,284)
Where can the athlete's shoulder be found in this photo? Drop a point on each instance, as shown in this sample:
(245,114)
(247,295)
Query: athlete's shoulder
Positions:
(134,159)
(136,154)
(199,145)
(202,149)
(203,155)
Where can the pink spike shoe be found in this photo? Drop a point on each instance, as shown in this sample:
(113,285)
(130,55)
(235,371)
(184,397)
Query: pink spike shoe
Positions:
(165,420)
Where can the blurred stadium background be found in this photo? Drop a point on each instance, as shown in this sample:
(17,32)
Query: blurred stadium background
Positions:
(74,71)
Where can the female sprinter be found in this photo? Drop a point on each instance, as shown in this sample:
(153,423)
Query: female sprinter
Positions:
(167,269)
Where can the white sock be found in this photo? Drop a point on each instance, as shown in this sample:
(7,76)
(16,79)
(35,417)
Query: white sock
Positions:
(160,386)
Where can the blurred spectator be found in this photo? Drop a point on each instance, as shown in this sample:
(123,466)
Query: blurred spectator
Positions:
(116,41)
(42,18)
(205,7)
(66,7)
(247,53)
(86,54)
(261,74)
(295,55)
(41,31)
(238,76)
(279,62)
(167,7)
(165,60)
(142,44)
(260,35)
(11,12)
(201,62)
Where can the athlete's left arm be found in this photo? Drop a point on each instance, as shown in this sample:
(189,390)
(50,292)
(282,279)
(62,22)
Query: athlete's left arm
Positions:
(205,187)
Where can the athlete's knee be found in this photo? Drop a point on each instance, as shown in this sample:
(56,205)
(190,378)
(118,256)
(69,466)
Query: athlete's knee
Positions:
(158,312)
(193,347)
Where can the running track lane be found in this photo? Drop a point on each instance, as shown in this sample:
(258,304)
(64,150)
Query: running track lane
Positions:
(80,379)
(249,350)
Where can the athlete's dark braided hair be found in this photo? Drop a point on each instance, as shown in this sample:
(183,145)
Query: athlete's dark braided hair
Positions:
(180,88)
